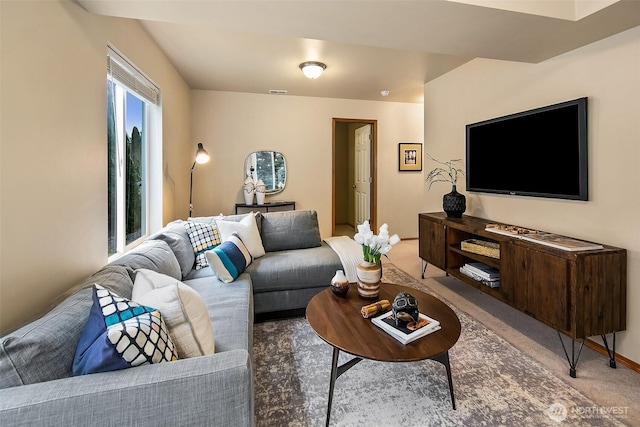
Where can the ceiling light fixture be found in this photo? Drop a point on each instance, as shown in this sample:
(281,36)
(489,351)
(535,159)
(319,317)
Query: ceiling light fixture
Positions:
(312,69)
(384,92)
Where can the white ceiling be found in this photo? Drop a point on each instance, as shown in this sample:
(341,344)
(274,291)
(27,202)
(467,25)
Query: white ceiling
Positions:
(368,46)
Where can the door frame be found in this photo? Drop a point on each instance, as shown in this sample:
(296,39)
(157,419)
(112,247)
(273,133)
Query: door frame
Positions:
(373,200)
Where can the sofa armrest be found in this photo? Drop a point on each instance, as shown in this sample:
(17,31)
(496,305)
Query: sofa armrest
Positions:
(209,390)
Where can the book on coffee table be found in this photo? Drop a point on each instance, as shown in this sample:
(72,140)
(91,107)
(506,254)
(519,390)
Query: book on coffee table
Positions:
(406,333)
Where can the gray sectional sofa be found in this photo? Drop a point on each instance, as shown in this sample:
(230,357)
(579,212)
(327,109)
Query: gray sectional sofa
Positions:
(36,383)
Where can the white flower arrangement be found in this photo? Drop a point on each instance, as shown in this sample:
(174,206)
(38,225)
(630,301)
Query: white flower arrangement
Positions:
(374,246)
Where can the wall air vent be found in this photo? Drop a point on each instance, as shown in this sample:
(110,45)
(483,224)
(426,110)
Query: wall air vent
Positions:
(277,91)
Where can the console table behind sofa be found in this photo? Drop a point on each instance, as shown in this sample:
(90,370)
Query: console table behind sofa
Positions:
(267,207)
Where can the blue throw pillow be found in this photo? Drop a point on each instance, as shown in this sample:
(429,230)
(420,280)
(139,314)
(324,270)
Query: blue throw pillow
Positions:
(229,259)
(121,334)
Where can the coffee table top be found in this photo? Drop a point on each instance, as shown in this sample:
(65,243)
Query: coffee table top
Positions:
(337,320)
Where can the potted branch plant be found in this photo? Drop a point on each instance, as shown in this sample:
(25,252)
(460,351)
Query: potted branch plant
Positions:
(453,203)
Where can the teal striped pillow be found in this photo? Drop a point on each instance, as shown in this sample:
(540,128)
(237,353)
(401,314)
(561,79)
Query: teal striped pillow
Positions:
(229,259)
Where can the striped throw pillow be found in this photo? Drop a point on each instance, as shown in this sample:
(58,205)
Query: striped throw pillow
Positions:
(229,259)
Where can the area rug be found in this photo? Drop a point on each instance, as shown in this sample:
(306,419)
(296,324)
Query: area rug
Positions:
(495,384)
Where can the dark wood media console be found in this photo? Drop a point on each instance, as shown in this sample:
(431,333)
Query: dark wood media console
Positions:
(578,293)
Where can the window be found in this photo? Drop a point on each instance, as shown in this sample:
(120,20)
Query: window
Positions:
(132,110)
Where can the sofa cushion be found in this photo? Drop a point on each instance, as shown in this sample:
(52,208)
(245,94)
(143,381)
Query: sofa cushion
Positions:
(154,255)
(43,350)
(229,259)
(197,274)
(234,218)
(182,308)
(205,219)
(290,230)
(120,334)
(247,229)
(294,269)
(175,235)
(230,307)
(203,237)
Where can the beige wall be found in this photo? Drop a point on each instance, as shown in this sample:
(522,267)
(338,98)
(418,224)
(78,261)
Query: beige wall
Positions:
(608,72)
(233,124)
(53,216)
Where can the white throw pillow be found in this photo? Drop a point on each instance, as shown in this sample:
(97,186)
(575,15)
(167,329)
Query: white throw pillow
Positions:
(182,309)
(247,229)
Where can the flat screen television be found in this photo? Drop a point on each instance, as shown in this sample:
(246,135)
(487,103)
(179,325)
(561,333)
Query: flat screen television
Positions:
(540,152)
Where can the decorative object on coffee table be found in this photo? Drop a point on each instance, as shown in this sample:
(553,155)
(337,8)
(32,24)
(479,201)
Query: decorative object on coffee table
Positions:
(369,277)
(372,309)
(369,272)
(405,308)
(339,284)
(453,203)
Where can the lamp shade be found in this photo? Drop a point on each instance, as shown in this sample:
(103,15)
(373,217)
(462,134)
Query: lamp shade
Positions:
(312,69)
(201,154)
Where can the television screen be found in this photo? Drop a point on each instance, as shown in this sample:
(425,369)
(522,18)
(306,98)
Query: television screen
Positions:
(540,152)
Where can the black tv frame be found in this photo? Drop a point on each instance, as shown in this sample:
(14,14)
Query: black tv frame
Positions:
(583,170)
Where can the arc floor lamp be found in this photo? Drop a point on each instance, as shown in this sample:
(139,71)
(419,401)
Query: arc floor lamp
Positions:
(201,157)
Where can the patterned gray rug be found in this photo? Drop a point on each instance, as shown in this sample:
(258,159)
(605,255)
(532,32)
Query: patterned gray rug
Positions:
(494,383)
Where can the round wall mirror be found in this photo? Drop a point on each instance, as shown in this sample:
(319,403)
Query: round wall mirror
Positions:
(270,167)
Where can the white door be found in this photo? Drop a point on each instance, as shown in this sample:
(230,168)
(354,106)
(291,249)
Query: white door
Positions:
(362,174)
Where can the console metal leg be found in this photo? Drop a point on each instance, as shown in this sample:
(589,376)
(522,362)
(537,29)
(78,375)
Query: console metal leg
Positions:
(444,359)
(612,352)
(336,371)
(424,268)
(573,361)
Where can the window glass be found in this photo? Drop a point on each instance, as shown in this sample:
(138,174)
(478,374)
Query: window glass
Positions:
(135,191)
(127,146)
(112,193)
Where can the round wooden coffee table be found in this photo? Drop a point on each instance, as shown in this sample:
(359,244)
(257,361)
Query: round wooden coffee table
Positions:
(337,320)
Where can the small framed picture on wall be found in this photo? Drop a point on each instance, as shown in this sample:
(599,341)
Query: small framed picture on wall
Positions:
(409,156)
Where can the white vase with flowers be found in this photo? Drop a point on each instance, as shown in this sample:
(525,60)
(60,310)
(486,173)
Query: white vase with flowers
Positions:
(369,271)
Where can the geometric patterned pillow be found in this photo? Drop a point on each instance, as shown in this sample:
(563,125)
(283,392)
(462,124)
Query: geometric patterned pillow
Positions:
(229,259)
(203,237)
(121,334)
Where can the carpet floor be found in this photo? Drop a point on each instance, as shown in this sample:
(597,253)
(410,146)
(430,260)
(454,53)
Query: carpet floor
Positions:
(495,384)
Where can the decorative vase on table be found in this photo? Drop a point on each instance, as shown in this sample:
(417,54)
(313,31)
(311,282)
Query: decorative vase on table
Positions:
(369,272)
(340,284)
(248,189)
(454,203)
(369,278)
(260,191)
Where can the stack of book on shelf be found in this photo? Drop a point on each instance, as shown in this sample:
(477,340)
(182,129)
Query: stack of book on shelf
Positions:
(406,333)
(482,273)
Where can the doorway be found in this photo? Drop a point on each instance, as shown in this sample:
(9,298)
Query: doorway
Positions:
(354,184)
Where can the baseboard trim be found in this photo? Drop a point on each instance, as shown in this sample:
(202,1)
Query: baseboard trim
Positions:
(634,366)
